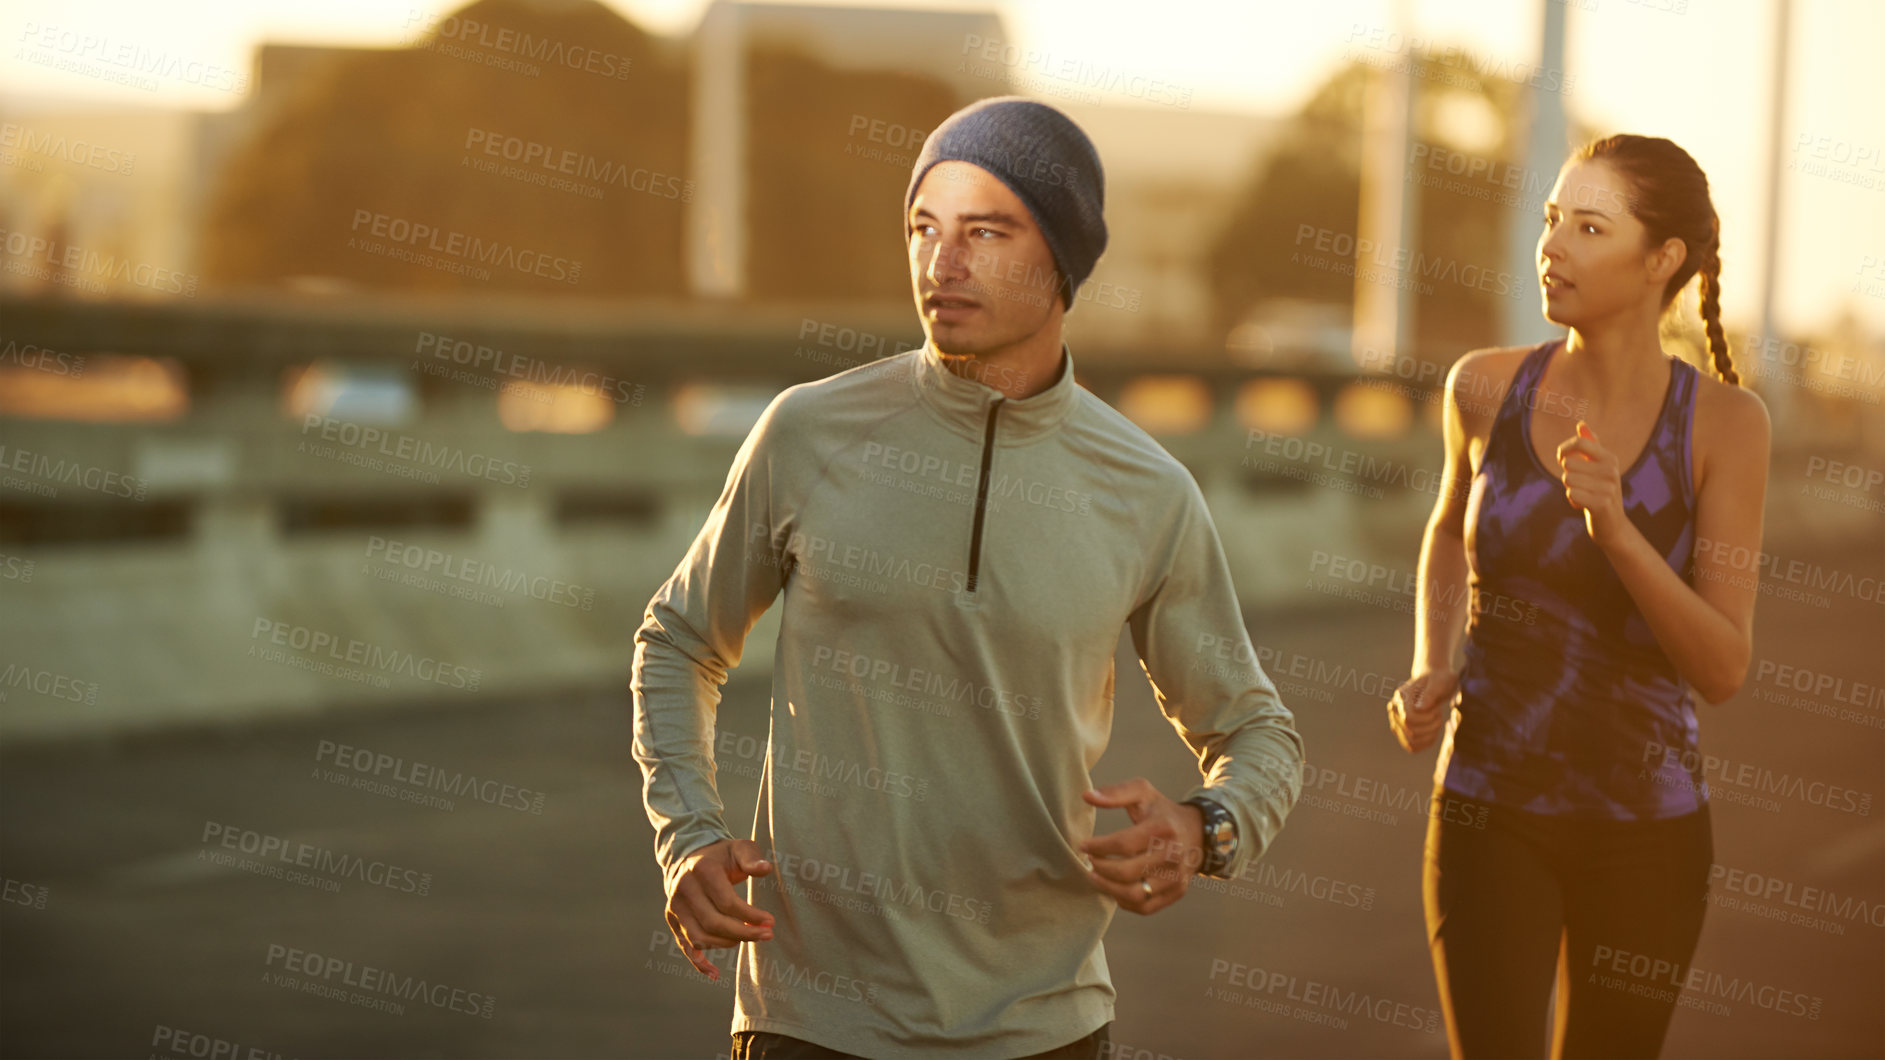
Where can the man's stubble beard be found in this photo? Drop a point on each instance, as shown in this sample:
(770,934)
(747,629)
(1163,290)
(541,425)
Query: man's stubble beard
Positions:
(958,347)
(975,343)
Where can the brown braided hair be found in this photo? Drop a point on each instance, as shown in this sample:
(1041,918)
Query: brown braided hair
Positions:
(1672,202)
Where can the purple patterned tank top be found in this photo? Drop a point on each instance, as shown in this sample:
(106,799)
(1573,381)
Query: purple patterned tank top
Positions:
(1568,705)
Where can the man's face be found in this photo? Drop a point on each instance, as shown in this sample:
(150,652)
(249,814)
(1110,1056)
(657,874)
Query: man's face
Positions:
(981,270)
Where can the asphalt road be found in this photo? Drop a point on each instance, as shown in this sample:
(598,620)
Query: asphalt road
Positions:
(530,908)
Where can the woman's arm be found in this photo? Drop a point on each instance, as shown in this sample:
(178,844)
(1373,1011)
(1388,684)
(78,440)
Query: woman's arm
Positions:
(1706,629)
(1440,619)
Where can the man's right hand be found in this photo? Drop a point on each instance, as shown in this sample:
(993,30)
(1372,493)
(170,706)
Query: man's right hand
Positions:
(705,912)
(1415,712)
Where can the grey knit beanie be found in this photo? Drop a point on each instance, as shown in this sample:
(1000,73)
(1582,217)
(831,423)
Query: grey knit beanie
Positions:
(1045,159)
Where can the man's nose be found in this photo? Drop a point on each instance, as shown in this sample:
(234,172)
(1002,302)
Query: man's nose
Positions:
(948,261)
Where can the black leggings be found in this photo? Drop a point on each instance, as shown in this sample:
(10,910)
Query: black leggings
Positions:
(1610,909)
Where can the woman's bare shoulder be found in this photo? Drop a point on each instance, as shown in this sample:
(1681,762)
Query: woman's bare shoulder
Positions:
(1479,379)
(1730,420)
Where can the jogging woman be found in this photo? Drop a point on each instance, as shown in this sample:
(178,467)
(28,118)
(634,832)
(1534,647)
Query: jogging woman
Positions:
(1595,490)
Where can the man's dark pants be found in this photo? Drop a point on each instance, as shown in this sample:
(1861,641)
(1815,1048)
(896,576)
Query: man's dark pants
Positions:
(763,1045)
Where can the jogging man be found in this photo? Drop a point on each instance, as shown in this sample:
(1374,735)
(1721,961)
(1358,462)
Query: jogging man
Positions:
(959,531)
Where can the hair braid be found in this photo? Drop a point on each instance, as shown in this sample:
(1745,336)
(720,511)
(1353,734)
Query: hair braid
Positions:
(1711,319)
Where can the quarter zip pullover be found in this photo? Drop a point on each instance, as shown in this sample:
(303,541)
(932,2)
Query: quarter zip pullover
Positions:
(955,567)
(981,494)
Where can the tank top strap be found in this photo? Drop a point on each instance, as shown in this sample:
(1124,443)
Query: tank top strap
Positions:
(1518,394)
(1675,432)
(1683,400)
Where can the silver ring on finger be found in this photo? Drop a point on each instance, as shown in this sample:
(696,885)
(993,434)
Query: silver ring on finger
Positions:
(1145,886)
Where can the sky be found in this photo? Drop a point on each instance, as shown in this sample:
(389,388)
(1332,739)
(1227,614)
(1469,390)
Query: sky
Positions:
(1696,71)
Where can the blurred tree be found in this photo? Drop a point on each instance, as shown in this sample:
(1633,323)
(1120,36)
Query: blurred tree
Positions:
(387,132)
(1313,178)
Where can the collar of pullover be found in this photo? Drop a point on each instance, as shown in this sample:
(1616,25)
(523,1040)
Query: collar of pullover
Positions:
(962,404)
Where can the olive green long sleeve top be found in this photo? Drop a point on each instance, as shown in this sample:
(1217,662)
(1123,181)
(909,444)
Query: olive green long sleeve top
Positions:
(955,566)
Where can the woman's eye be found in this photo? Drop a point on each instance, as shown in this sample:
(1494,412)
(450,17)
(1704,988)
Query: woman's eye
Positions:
(1591,228)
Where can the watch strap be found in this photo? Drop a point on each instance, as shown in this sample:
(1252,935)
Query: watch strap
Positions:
(1220,835)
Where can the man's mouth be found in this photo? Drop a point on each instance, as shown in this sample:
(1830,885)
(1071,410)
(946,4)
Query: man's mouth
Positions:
(949,301)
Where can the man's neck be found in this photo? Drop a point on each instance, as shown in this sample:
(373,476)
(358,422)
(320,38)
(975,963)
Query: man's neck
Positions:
(1019,370)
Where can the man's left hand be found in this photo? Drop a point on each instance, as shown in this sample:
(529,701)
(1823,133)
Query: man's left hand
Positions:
(1163,847)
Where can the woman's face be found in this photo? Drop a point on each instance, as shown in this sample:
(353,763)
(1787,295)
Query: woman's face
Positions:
(1593,257)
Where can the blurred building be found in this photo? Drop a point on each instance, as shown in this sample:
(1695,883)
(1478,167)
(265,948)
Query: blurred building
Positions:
(806,122)
(763,159)
(1172,176)
(100,202)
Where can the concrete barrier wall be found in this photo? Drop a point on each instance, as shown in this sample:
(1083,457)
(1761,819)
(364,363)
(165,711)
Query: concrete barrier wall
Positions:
(225,597)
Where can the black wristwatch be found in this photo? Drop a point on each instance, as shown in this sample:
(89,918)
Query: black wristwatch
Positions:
(1220,836)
